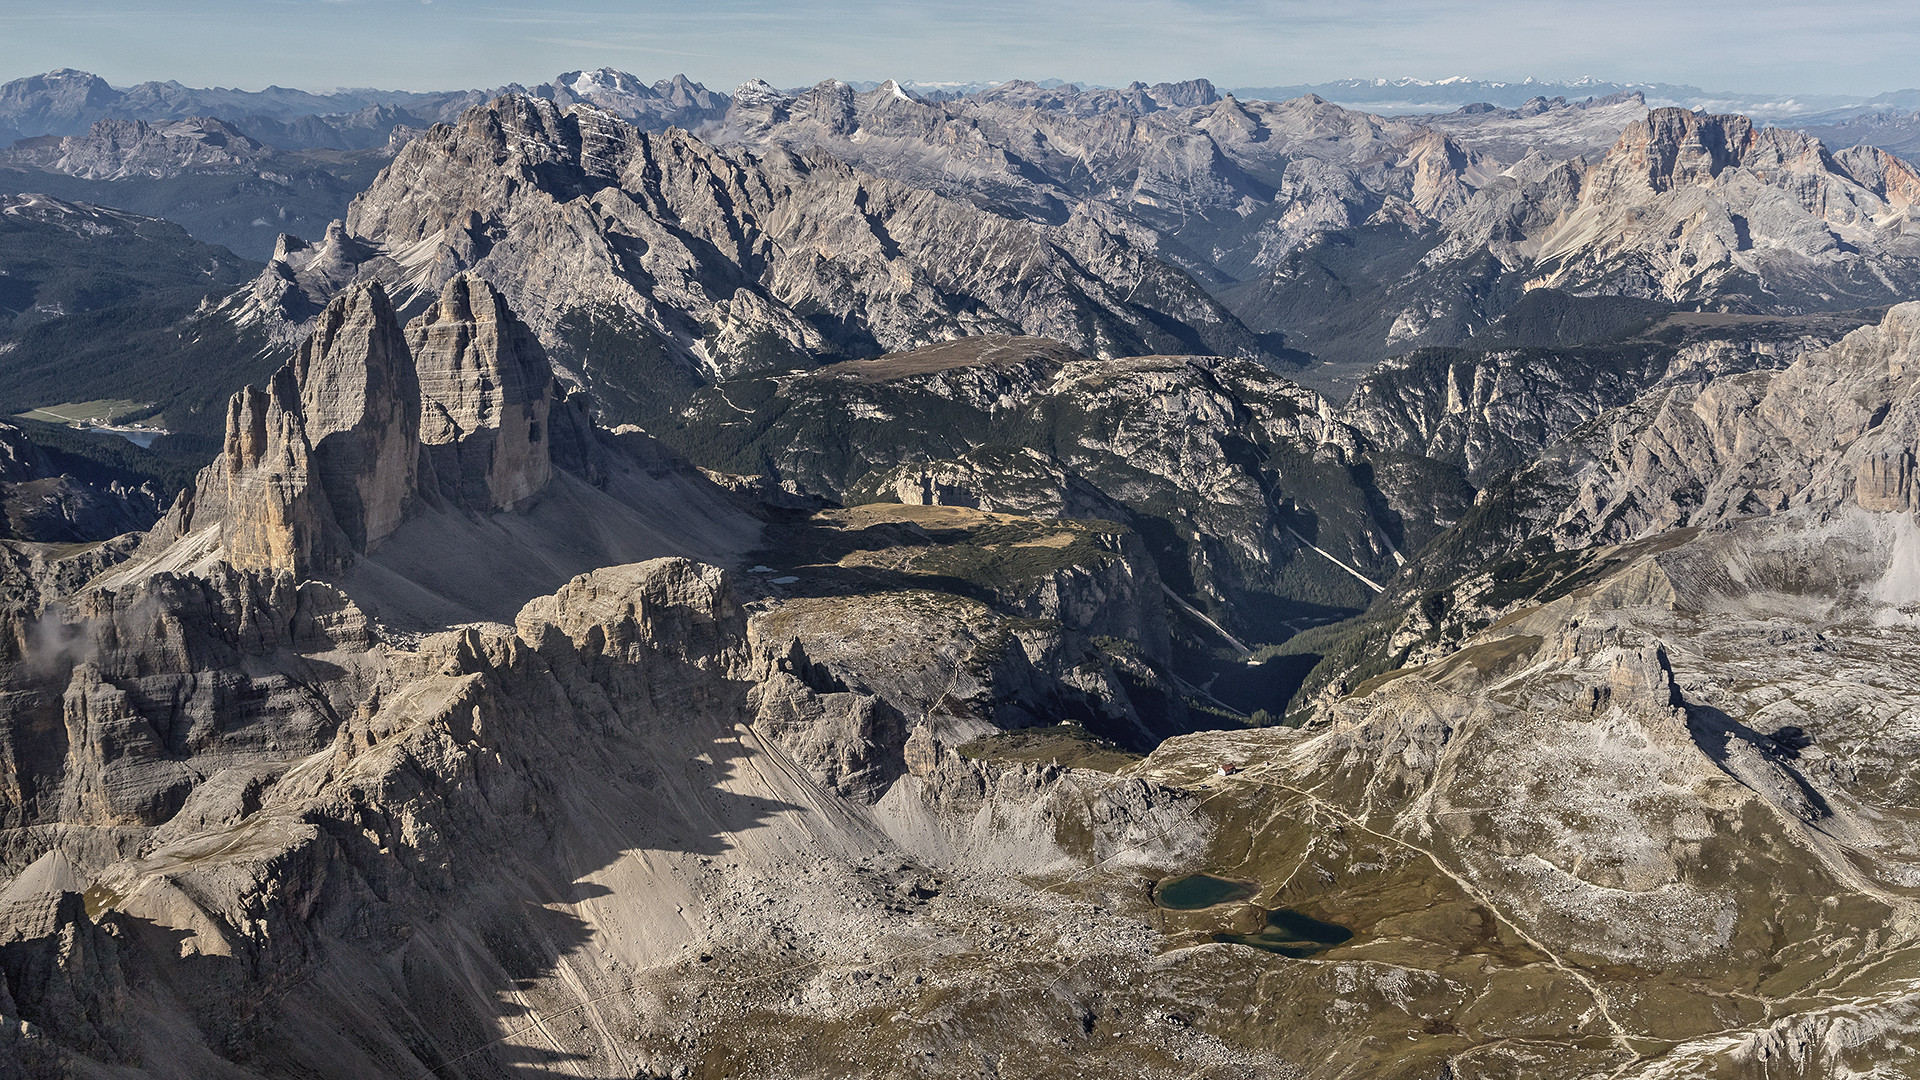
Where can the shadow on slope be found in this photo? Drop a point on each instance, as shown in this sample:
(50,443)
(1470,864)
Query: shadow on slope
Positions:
(446,566)
(494,860)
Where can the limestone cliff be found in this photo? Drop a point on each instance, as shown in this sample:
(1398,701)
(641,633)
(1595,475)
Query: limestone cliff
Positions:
(1836,426)
(404,825)
(349,437)
(485,395)
(360,412)
(1685,202)
(262,493)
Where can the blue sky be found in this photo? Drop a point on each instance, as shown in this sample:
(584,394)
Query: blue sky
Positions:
(1767,46)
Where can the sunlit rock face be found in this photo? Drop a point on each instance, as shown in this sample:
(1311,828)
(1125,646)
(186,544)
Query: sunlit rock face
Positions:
(485,394)
(360,409)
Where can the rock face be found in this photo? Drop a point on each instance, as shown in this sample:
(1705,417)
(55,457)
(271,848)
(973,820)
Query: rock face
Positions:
(1827,439)
(1490,412)
(360,411)
(388,832)
(262,492)
(1836,423)
(485,395)
(58,99)
(1884,481)
(1683,200)
(326,463)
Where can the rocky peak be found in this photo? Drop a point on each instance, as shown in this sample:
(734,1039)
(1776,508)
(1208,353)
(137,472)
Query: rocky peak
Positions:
(119,149)
(684,92)
(606,80)
(676,102)
(1881,173)
(1674,147)
(485,395)
(278,516)
(758,92)
(829,104)
(55,101)
(326,462)
(260,494)
(1184,95)
(300,278)
(360,408)
(888,96)
(757,106)
(1685,203)
(1445,174)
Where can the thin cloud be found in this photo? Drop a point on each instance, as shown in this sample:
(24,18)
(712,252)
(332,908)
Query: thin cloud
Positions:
(576,43)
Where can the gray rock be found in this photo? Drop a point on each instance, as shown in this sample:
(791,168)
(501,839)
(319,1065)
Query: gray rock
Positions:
(485,396)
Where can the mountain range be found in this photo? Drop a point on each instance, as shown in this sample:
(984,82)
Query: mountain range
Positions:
(1019,581)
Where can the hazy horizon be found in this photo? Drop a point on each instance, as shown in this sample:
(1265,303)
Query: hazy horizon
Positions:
(1758,47)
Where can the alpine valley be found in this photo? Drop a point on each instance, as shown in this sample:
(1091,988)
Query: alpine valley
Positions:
(621,579)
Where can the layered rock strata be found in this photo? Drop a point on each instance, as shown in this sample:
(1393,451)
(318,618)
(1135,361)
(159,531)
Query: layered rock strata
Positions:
(328,460)
(486,392)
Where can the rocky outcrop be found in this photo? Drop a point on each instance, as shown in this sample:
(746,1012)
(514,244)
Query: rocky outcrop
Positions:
(1490,412)
(1884,481)
(1685,202)
(486,391)
(674,608)
(1836,423)
(360,412)
(957,623)
(262,493)
(1023,481)
(60,973)
(327,462)
(390,841)
(298,282)
(1812,462)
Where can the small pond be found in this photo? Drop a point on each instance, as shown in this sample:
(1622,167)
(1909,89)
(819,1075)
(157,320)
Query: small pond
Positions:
(1196,891)
(1290,933)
